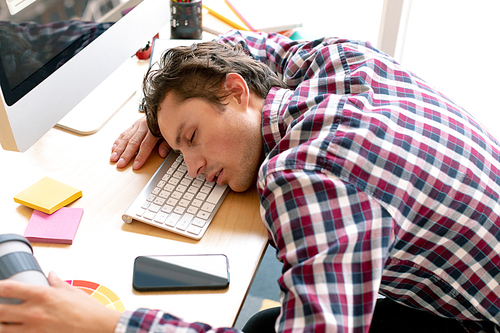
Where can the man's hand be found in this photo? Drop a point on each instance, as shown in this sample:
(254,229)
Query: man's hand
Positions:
(136,141)
(58,308)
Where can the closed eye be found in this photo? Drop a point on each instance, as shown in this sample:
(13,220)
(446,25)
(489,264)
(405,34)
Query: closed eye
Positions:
(192,137)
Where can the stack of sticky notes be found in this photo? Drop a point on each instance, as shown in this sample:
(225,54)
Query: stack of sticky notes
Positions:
(51,221)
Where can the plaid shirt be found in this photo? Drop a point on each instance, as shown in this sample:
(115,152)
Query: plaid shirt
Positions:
(372,182)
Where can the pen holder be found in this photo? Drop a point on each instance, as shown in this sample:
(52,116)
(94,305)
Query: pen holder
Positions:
(17,263)
(185,20)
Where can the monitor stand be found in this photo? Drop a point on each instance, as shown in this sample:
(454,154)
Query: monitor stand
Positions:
(95,110)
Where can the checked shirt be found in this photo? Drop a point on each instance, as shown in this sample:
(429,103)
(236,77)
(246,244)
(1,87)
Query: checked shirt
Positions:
(373,182)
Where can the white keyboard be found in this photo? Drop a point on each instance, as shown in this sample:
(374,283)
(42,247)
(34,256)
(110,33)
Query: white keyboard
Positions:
(174,201)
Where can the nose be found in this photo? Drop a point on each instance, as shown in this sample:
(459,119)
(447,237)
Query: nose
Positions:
(195,163)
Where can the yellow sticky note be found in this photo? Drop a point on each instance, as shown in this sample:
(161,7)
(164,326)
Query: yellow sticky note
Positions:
(47,195)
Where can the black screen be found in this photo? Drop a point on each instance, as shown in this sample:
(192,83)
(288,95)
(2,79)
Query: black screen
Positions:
(180,272)
(39,38)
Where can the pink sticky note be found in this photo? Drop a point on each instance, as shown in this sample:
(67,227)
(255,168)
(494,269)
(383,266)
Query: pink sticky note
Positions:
(59,227)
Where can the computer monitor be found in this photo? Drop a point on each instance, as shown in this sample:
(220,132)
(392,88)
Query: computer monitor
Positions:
(56,53)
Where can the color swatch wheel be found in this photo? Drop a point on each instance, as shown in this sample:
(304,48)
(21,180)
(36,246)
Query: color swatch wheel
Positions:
(99,292)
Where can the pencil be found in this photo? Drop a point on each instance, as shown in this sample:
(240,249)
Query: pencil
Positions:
(236,11)
(225,19)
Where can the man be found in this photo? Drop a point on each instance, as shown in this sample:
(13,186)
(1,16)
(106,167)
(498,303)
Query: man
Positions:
(370,182)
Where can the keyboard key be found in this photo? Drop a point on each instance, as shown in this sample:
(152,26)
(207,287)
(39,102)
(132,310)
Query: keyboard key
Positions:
(154,208)
(203,215)
(169,188)
(197,183)
(198,222)
(208,207)
(176,195)
(216,194)
(159,201)
(167,209)
(149,215)
(184,222)
(184,203)
(192,189)
(181,188)
(178,174)
(164,194)
(172,219)
(172,202)
(205,189)
(160,218)
(174,181)
(188,196)
(193,229)
(197,203)
(179,210)
(201,196)
(192,210)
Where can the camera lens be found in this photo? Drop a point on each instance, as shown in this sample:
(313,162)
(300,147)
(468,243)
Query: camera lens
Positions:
(18,263)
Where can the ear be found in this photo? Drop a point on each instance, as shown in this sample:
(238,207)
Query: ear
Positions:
(238,87)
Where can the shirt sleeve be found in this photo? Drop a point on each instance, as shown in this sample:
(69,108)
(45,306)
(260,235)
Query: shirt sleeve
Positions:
(146,320)
(333,240)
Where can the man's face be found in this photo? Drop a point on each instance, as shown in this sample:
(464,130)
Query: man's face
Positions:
(224,145)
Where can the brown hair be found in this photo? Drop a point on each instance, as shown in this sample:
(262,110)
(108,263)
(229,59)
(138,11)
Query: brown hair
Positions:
(200,71)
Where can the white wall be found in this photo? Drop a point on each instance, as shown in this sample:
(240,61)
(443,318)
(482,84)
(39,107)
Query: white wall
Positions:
(453,44)
(353,19)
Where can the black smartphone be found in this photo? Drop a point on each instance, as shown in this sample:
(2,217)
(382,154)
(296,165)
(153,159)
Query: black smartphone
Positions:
(180,272)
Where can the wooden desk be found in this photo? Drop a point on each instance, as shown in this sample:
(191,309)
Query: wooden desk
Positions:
(104,248)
